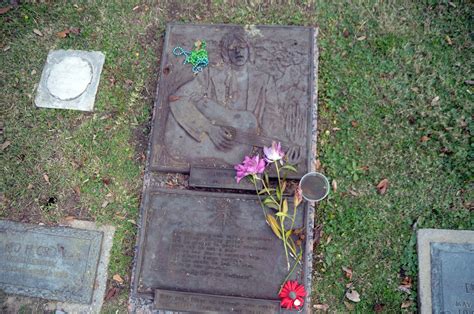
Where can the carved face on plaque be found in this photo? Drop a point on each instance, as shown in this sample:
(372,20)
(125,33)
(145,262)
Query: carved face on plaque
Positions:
(235,49)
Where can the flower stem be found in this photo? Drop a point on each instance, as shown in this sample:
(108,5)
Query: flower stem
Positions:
(266,190)
(282,218)
(292,270)
(259,198)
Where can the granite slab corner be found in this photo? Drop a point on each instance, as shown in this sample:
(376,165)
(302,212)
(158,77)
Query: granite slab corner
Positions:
(430,242)
(69,95)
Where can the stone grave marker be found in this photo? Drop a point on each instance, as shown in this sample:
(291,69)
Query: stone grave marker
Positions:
(70,80)
(55,263)
(446,271)
(206,246)
(257,88)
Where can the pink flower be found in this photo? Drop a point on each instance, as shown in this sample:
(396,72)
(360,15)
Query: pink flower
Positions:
(274,152)
(292,295)
(250,166)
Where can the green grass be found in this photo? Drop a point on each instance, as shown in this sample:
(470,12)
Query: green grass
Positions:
(382,68)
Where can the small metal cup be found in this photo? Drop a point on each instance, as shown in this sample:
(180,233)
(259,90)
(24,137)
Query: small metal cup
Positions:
(314,186)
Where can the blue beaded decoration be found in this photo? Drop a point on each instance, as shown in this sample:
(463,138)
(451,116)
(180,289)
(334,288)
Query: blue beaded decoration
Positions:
(197,57)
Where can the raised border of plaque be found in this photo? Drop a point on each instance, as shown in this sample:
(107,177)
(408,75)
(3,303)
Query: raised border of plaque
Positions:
(56,263)
(434,246)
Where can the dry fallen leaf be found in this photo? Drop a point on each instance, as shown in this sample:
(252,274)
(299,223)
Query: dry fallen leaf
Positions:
(117,278)
(334,185)
(63,34)
(354,123)
(111,293)
(328,240)
(30,186)
(322,307)
(5,9)
(69,218)
(449,41)
(353,193)
(406,304)
(77,190)
(361,38)
(104,204)
(435,101)
(407,282)
(353,295)
(382,186)
(317,164)
(347,272)
(345,33)
(46,178)
(38,32)
(5,145)
(424,138)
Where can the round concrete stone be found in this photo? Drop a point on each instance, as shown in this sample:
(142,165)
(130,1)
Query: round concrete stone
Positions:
(69,78)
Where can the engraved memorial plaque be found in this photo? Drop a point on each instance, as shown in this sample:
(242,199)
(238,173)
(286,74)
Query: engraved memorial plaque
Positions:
(211,243)
(446,272)
(258,88)
(204,303)
(54,263)
(452,277)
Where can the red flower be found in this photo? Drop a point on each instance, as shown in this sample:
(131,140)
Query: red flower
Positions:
(292,295)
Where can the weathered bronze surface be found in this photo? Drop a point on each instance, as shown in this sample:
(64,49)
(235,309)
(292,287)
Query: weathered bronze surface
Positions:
(54,263)
(206,177)
(212,243)
(452,277)
(258,88)
(205,303)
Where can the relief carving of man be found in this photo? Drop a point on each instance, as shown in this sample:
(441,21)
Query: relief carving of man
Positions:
(218,114)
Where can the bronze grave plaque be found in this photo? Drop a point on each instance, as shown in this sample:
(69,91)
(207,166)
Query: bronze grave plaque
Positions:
(205,303)
(210,243)
(54,263)
(258,88)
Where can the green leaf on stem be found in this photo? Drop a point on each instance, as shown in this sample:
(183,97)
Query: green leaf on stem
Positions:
(273,205)
(267,180)
(278,193)
(284,208)
(280,214)
(288,233)
(274,225)
(263,191)
(283,187)
(289,167)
